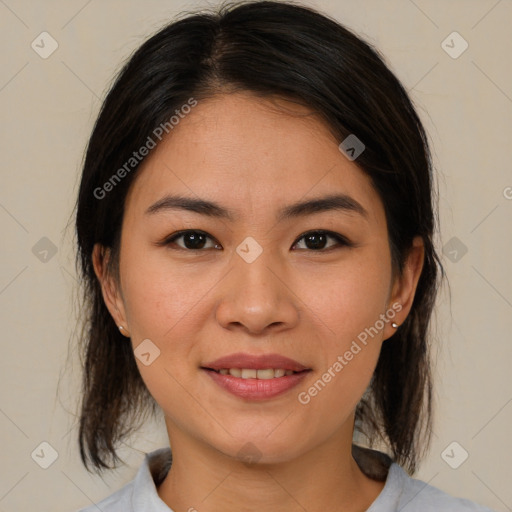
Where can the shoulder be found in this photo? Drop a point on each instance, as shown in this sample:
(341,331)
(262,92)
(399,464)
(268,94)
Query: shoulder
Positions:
(404,493)
(141,492)
(119,501)
(415,495)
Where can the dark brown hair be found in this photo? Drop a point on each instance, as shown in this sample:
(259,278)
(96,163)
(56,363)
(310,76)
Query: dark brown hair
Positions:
(270,49)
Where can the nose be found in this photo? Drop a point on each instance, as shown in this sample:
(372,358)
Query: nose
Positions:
(257,297)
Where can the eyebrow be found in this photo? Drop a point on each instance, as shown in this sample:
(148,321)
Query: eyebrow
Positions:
(335,202)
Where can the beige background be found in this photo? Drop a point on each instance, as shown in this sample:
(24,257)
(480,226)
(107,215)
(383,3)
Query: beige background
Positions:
(49,106)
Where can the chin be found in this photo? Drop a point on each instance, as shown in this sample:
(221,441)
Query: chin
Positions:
(261,449)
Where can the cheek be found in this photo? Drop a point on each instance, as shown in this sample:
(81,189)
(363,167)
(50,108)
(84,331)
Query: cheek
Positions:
(173,390)
(166,305)
(347,303)
(330,400)
(161,296)
(348,297)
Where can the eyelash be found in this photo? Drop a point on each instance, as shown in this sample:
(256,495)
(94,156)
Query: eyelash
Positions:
(342,241)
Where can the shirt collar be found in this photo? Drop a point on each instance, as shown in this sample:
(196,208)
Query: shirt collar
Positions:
(153,470)
(157,463)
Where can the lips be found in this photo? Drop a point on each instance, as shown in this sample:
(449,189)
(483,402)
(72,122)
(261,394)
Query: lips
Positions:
(256,377)
(255,362)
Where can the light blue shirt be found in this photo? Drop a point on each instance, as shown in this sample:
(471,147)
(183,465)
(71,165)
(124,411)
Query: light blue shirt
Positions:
(400,493)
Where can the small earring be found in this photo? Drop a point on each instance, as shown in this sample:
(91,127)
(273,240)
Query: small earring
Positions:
(394,325)
(123,330)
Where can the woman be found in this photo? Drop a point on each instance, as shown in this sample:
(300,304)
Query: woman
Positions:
(255,228)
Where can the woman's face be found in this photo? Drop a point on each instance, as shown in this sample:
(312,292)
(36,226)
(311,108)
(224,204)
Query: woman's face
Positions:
(254,284)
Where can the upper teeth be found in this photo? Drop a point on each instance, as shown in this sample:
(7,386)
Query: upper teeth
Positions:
(249,373)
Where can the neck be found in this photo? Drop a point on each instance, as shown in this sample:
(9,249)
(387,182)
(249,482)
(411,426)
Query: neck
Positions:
(324,478)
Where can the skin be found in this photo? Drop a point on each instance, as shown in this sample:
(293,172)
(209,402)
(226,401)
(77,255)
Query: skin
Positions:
(252,157)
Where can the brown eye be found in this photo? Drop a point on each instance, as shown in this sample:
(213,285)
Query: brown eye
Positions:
(317,240)
(192,240)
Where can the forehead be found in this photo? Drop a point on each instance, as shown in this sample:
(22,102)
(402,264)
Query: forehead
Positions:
(250,154)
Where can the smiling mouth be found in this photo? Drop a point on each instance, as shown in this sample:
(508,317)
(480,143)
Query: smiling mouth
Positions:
(256,384)
(251,373)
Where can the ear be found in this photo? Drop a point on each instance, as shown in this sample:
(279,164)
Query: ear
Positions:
(404,285)
(109,289)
